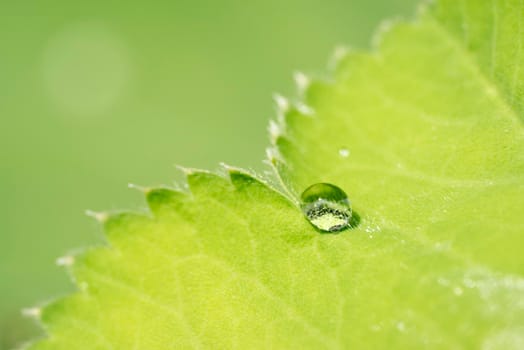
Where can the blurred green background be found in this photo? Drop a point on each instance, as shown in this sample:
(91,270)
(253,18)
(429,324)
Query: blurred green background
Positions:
(94,95)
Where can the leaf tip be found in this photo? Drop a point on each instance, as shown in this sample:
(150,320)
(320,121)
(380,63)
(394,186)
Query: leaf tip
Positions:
(305,109)
(273,154)
(302,81)
(32,312)
(275,130)
(384,28)
(65,261)
(191,171)
(281,102)
(142,189)
(185,170)
(339,54)
(98,216)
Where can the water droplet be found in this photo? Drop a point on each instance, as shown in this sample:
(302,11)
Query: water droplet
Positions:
(343,152)
(326,207)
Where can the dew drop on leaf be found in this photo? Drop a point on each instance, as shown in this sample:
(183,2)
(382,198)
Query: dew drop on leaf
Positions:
(326,207)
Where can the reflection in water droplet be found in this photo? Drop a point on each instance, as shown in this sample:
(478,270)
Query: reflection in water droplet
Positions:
(343,152)
(326,207)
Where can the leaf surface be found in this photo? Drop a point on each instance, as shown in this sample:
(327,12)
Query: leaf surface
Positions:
(424,134)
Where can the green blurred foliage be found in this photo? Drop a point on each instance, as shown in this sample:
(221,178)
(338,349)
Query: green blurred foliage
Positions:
(94,95)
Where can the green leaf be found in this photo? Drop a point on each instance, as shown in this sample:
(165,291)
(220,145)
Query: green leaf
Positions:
(424,134)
